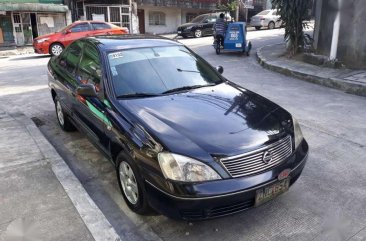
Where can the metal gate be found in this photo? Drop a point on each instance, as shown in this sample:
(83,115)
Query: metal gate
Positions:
(116,14)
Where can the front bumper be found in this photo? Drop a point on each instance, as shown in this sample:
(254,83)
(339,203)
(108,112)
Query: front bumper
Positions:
(41,48)
(223,197)
(184,32)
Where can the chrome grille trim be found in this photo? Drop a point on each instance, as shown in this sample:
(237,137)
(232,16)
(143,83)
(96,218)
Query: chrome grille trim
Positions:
(252,162)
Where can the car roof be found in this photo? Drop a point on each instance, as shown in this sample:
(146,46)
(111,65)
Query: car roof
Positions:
(130,41)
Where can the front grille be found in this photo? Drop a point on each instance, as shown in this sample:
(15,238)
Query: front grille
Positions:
(252,162)
(197,214)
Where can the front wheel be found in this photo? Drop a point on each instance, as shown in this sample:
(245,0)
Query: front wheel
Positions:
(198,33)
(56,49)
(271,25)
(131,184)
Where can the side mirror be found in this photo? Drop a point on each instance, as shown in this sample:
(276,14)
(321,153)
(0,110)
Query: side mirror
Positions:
(68,31)
(86,90)
(220,69)
(205,21)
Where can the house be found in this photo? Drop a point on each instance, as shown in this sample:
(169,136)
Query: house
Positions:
(23,20)
(142,16)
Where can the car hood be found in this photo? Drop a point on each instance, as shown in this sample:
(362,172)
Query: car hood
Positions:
(220,120)
(48,35)
(187,25)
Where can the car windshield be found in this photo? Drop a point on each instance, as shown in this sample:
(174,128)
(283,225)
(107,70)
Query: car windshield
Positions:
(158,70)
(264,12)
(198,19)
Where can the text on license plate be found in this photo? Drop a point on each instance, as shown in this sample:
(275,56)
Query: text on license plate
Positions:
(238,45)
(179,31)
(269,192)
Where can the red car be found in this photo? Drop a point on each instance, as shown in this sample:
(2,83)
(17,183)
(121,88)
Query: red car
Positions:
(55,43)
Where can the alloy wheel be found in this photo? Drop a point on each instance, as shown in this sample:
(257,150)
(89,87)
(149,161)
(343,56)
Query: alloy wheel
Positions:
(56,49)
(198,33)
(60,113)
(128,182)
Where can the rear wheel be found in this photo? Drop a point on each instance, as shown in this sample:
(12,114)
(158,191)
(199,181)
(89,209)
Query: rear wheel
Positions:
(62,118)
(218,47)
(56,49)
(198,33)
(257,27)
(131,184)
(271,25)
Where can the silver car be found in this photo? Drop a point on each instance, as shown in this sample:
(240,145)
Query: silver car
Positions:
(266,18)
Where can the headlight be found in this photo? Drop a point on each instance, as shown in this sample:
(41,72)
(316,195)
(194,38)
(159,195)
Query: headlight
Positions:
(188,28)
(297,132)
(185,169)
(42,40)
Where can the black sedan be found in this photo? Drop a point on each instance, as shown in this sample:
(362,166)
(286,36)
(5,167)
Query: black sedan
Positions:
(184,140)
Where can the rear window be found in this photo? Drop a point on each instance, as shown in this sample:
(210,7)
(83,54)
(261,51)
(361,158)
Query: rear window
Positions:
(265,12)
(100,26)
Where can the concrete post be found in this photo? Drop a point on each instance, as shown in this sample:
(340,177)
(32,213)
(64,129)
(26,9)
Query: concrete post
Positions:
(335,35)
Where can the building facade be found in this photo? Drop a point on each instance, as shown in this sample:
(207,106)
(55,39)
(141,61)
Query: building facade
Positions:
(23,20)
(142,16)
(349,41)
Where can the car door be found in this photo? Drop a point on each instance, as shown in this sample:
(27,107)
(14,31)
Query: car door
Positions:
(90,111)
(210,21)
(63,72)
(79,30)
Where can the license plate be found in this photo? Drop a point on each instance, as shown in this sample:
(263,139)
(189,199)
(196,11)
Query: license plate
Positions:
(238,45)
(179,31)
(269,192)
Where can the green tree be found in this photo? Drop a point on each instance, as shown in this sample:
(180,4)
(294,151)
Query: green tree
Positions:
(293,13)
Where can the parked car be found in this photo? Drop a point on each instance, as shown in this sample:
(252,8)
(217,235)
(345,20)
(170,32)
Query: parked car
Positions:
(55,43)
(266,18)
(201,25)
(183,139)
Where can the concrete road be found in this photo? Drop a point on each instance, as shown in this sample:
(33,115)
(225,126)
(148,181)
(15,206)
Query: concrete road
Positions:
(327,202)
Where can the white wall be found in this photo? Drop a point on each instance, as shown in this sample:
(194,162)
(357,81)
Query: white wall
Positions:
(172,20)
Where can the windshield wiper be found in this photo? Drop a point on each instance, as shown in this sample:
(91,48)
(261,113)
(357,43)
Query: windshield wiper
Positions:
(134,95)
(188,87)
(185,70)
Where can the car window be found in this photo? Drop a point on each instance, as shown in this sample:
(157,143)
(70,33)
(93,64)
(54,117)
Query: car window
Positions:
(265,12)
(88,71)
(100,26)
(275,13)
(212,19)
(71,56)
(159,69)
(198,19)
(81,27)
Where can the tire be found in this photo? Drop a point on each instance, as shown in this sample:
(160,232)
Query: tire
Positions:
(218,48)
(198,33)
(131,184)
(56,49)
(62,118)
(271,25)
(257,27)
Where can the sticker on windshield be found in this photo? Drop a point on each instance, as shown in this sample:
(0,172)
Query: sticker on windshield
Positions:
(114,71)
(116,55)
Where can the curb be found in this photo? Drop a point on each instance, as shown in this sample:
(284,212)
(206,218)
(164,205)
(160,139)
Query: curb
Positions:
(335,83)
(92,216)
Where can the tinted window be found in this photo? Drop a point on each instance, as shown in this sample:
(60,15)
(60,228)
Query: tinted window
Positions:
(99,26)
(70,58)
(212,19)
(82,27)
(156,70)
(265,12)
(89,67)
(198,19)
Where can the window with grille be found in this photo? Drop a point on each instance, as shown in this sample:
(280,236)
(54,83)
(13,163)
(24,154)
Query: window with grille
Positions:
(156,18)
